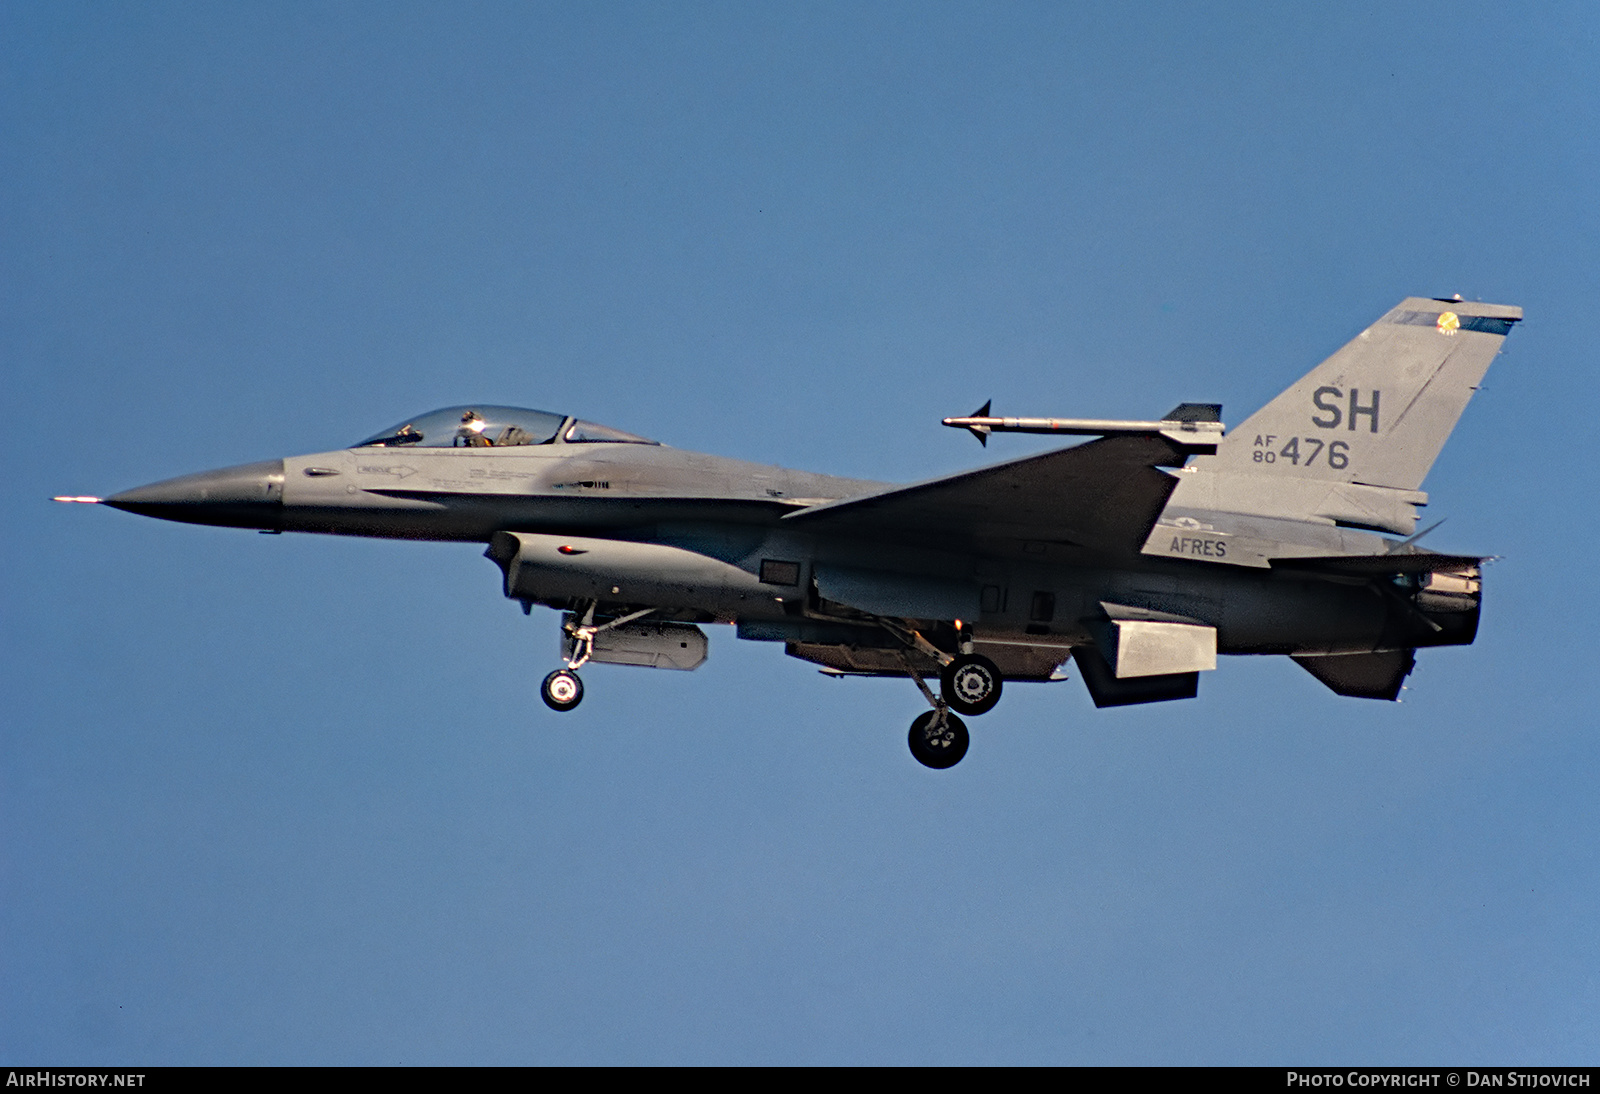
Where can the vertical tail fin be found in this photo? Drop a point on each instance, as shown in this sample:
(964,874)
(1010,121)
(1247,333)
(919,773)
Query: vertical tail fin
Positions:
(1378,411)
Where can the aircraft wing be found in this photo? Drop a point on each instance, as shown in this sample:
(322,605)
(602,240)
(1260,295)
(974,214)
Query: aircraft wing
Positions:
(1105,495)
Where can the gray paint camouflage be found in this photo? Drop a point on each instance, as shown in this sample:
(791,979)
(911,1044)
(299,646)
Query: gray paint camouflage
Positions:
(1271,538)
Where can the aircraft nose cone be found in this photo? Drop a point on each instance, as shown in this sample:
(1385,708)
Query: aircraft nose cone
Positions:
(247,496)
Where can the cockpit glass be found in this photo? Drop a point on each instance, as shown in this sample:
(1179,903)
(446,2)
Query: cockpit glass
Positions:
(581,432)
(476,426)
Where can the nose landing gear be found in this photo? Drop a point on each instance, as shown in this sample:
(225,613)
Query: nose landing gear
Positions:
(562,690)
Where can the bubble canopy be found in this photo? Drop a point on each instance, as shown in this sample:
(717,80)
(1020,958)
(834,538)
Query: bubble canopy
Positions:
(483,425)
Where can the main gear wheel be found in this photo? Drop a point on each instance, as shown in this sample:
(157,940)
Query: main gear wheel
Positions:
(971,684)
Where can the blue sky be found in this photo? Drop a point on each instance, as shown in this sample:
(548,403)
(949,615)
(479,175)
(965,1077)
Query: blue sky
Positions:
(295,800)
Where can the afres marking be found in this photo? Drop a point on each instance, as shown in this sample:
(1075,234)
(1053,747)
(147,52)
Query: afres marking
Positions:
(1196,546)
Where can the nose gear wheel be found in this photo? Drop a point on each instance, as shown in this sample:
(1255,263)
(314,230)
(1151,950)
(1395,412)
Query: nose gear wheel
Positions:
(561,690)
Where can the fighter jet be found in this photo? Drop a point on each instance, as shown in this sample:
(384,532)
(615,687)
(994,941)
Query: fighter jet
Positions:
(1138,556)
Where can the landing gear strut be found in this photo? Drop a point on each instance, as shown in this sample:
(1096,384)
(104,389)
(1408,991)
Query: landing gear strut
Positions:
(938,739)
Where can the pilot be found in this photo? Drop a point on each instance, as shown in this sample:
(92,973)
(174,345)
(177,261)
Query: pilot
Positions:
(470,435)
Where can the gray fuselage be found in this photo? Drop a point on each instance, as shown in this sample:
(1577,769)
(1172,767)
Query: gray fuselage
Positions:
(702,538)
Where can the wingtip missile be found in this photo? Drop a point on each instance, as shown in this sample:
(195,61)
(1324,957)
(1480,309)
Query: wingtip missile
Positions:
(1193,426)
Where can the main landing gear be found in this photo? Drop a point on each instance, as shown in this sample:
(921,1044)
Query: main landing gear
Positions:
(938,739)
(968,683)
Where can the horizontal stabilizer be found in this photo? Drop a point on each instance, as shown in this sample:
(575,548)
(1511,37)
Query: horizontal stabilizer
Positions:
(1401,562)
